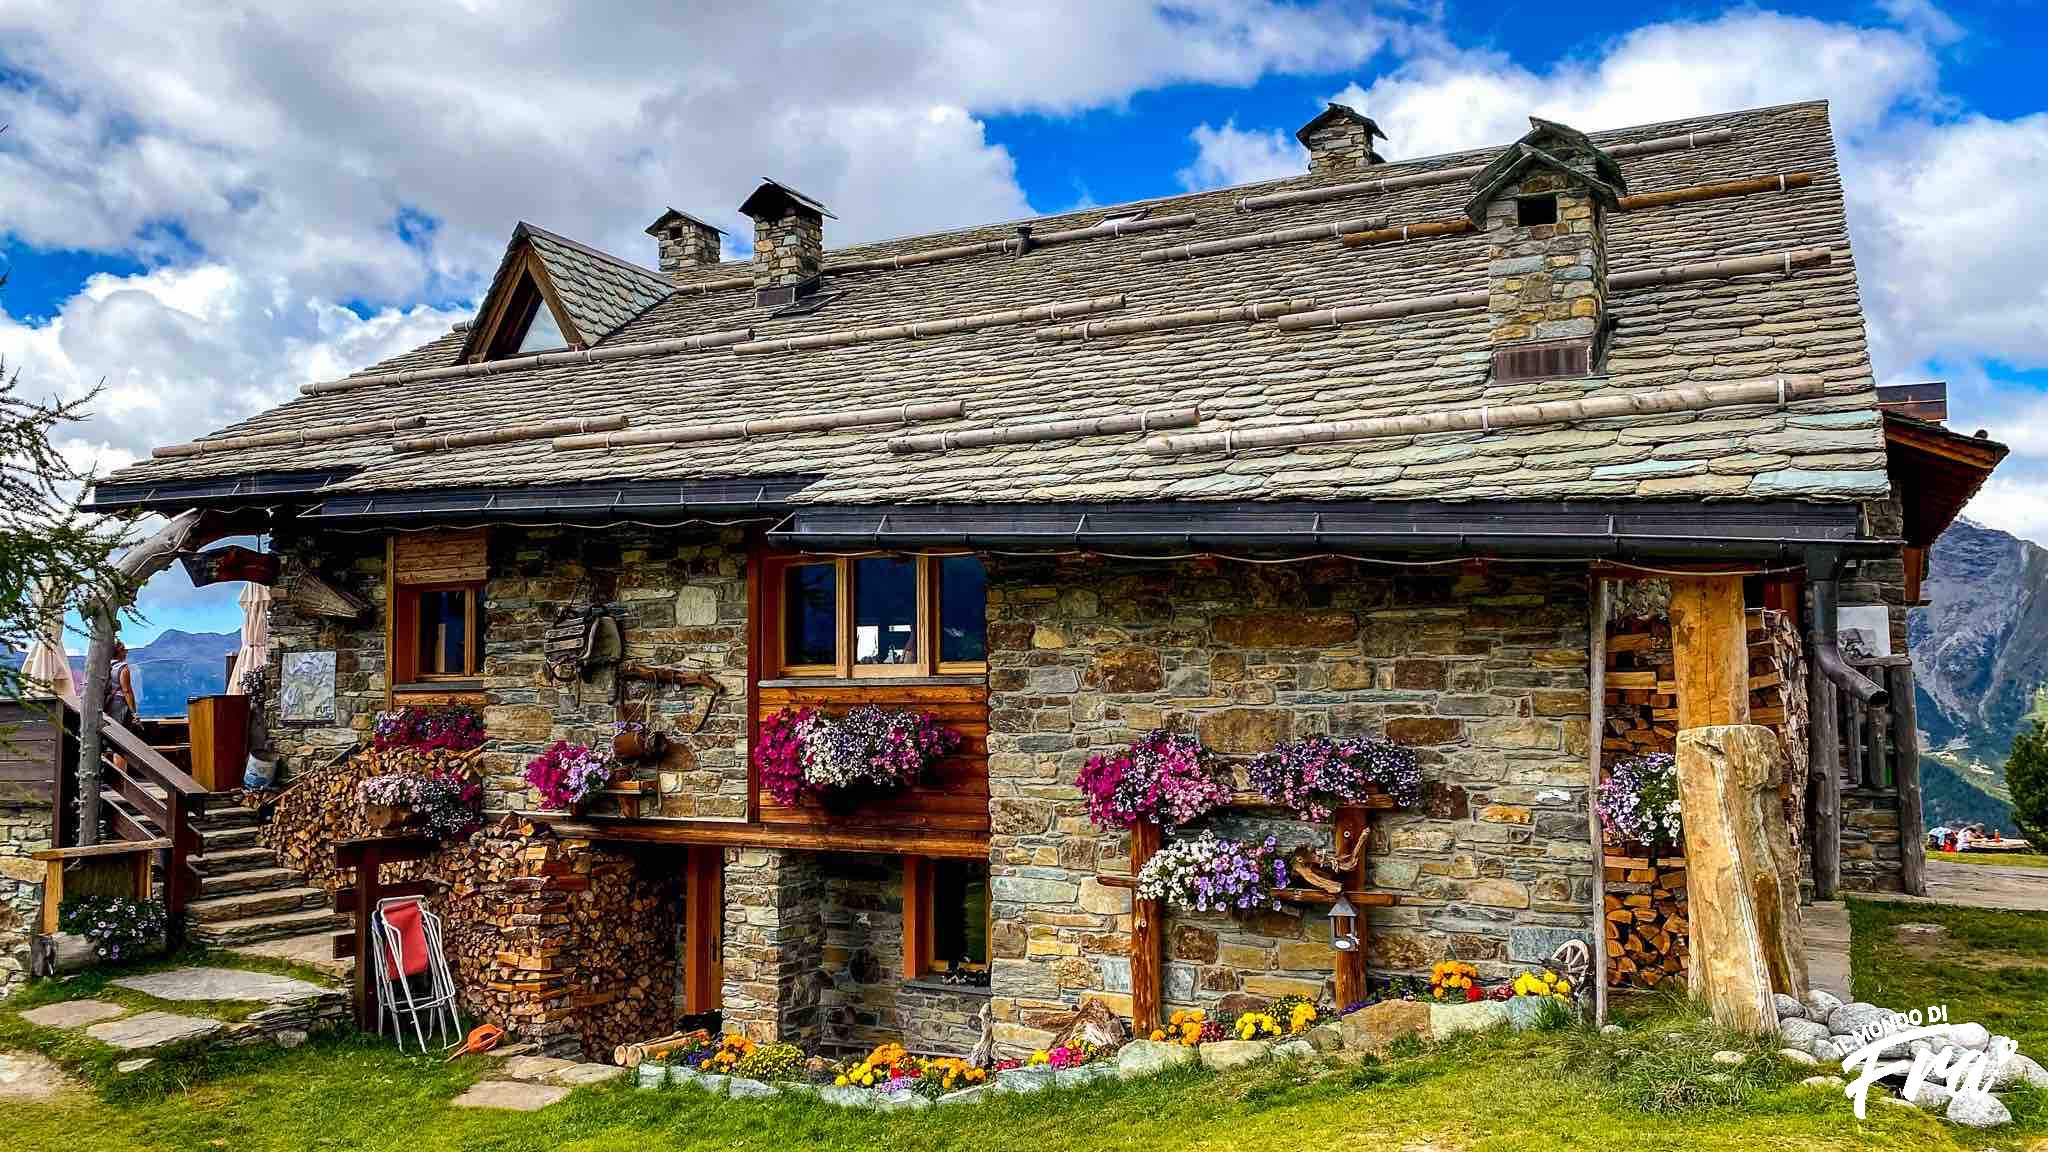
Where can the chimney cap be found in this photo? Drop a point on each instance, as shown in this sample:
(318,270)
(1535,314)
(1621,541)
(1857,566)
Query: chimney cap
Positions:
(1338,111)
(774,199)
(672,216)
(1548,144)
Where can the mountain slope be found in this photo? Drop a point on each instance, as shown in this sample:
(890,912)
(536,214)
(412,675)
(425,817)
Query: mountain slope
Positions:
(170,669)
(1980,659)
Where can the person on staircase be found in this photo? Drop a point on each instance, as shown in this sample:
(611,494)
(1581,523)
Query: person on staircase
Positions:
(120,702)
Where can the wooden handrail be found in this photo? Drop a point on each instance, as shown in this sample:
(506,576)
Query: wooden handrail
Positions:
(160,771)
(116,848)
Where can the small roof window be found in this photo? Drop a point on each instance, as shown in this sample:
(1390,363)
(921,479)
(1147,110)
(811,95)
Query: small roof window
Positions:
(543,334)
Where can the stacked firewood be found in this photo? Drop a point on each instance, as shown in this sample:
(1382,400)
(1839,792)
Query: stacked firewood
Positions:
(558,940)
(1647,940)
(1648,937)
(323,806)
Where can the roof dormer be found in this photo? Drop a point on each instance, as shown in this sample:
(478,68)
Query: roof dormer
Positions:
(553,293)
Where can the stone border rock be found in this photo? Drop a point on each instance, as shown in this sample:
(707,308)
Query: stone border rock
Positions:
(1822,1030)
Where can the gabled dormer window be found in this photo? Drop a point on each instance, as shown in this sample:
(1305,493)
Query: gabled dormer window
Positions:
(521,317)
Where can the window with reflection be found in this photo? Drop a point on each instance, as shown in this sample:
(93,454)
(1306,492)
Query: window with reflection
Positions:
(877,616)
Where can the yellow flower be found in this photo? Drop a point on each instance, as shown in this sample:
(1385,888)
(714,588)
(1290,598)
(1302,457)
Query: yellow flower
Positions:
(1157,1035)
(839,1081)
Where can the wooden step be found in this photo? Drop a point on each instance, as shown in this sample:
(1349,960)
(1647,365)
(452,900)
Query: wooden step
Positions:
(223,814)
(273,878)
(212,840)
(232,860)
(243,906)
(227,933)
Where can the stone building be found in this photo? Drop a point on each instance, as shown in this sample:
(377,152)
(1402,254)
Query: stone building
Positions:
(1345,453)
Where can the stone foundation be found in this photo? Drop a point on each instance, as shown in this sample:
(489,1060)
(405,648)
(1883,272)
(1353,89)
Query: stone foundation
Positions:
(1870,840)
(24,828)
(774,944)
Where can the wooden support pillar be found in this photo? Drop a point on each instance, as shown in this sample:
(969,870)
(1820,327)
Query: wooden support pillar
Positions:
(703,928)
(1351,831)
(1742,872)
(1148,931)
(368,864)
(1824,771)
(1710,650)
(1906,775)
(917,916)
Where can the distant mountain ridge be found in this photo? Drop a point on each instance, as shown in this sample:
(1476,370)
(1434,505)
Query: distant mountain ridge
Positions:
(169,669)
(1980,660)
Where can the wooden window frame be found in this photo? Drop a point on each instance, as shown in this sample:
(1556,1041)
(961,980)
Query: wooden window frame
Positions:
(843,667)
(505,324)
(404,655)
(920,937)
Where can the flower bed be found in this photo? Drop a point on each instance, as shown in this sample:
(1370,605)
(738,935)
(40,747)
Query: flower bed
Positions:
(1316,776)
(567,775)
(1167,777)
(842,760)
(1208,874)
(118,927)
(1638,803)
(455,728)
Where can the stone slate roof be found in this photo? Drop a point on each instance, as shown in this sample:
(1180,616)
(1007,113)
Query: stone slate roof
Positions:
(600,292)
(1241,374)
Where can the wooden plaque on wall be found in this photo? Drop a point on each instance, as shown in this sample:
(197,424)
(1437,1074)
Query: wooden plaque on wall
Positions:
(453,556)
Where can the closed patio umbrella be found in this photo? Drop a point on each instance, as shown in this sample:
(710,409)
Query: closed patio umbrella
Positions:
(46,666)
(255,649)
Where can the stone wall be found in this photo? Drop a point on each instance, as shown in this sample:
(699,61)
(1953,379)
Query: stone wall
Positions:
(24,828)
(866,1000)
(681,601)
(1870,840)
(774,944)
(1481,669)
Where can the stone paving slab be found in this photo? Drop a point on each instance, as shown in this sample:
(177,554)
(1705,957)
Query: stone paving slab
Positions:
(220,984)
(72,1013)
(534,1068)
(510,1095)
(1827,946)
(579,1074)
(314,950)
(151,1030)
(28,1077)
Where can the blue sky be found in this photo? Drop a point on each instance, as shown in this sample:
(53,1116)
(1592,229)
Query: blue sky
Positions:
(205,206)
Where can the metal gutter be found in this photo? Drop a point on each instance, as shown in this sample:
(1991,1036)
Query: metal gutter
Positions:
(255,488)
(1774,531)
(640,500)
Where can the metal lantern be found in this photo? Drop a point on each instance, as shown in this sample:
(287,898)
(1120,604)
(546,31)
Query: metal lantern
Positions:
(1343,925)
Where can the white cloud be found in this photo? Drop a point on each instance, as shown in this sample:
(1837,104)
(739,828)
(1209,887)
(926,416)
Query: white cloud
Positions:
(1232,155)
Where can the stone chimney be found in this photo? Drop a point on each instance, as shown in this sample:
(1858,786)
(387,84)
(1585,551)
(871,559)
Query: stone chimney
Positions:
(1542,205)
(1339,141)
(789,242)
(686,243)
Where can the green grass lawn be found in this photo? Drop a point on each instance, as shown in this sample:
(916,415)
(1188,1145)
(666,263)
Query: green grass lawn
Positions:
(1648,1089)
(1988,966)
(2009,859)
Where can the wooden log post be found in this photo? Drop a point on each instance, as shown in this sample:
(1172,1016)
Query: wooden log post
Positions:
(1148,932)
(1743,874)
(1351,830)
(1824,776)
(1906,774)
(1734,896)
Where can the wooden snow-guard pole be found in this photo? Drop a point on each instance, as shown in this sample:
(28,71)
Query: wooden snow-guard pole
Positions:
(745,429)
(1781,262)
(1458,225)
(973,323)
(510,433)
(1167,321)
(311,434)
(1047,430)
(1326,231)
(707,287)
(602,355)
(1465,172)
(1692,398)
(1107,230)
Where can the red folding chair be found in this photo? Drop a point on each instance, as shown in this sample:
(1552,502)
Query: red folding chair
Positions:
(413,979)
